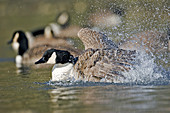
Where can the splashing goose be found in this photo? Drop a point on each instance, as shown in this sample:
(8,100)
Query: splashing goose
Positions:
(102,61)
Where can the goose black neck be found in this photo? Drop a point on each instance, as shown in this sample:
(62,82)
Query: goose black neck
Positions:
(23,44)
(64,57)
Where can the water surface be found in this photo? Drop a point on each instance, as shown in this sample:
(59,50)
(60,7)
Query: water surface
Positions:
(32,93)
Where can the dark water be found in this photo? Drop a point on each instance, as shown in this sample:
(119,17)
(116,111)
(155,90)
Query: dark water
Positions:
(29,90)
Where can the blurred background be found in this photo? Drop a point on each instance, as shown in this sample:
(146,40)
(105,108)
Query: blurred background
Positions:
(135,15)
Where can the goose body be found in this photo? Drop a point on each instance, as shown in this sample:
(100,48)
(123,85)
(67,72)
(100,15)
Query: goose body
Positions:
(102,61)
(61,72)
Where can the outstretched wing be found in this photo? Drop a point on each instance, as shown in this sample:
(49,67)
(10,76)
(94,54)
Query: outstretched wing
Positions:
(94,39)
(103,64)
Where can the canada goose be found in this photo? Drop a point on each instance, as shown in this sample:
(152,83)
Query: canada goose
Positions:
(60,28)
(27,54)
(62,21)
(47,32)
(148,41)
(102,61)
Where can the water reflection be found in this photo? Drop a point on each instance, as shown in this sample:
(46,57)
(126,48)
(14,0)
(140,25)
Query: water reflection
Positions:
(109,98)
(23,70)
(63,97)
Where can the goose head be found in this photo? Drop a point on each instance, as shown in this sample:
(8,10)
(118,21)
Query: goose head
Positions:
(19,43)
(53,56)
(63,61)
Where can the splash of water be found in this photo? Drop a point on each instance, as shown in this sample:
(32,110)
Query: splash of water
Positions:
(144,71)
(138,16)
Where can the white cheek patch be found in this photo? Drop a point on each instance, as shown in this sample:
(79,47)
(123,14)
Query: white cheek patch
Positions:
(16,37)
(15,44)
(52,59)
(48,32)
(55,28)
(63,18)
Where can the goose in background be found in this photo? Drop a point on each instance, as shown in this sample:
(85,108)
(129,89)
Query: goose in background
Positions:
(27,52)
(102,61)
(60,28)
(62,21)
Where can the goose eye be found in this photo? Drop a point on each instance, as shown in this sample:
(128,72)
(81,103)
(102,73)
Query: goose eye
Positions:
(49,56)
(44,58)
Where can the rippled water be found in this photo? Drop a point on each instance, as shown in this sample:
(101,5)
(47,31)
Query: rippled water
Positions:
(31,92)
